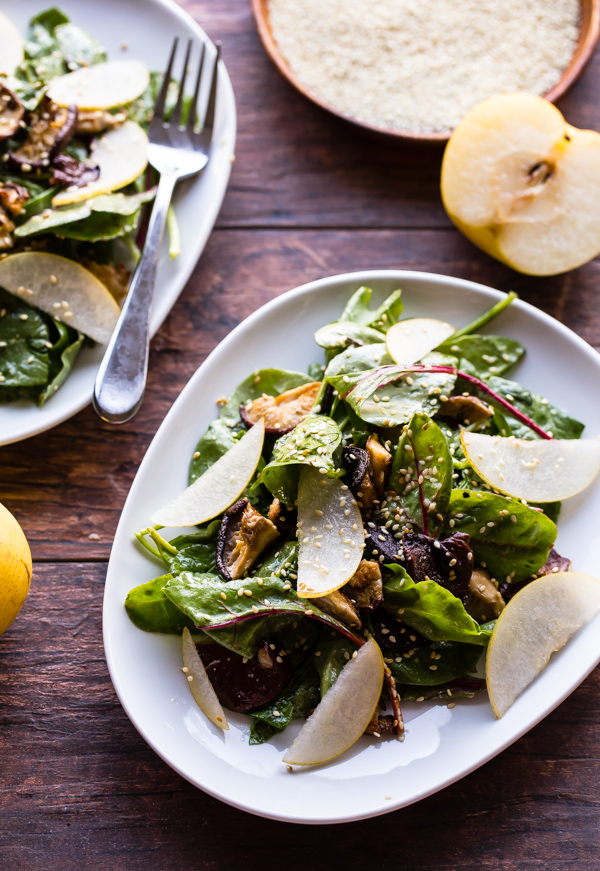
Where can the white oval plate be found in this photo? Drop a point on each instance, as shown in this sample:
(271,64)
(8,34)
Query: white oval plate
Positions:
(146,28)
(441,745)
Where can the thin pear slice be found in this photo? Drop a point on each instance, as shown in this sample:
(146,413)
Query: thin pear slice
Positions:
(342,716)
(536,623)
(121,154)
(11,46)
(63,289)
(330,532)
(408,341)
(200,685)
(219,487)
(101,86)
(537,470)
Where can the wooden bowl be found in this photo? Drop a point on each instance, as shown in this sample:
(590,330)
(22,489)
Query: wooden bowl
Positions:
(588,38)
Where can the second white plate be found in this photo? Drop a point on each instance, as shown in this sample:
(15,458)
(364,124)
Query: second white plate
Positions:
(144,30)
(441,745)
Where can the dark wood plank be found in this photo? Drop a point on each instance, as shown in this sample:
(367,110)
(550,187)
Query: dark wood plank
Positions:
(298,166)
(81,790)
(72,481)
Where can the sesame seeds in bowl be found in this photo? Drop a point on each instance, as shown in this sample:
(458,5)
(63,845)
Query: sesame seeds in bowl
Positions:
(412,71)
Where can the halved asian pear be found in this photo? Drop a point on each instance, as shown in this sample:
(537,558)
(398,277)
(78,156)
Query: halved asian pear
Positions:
(524,185)
(62,288)
(344,713)
(11,46)
(330,532)
(219,487)
(200,685)
(410,340)
(538,470)
(121,154)
(536,623)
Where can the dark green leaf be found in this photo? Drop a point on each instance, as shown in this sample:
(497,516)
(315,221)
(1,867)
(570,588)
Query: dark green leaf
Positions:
(485,356)
(311,443)
(77,47)
(62,356)
(149,608)
(420,669)
(24,335)
(479,322)
(341,334)
(334,653)
(215,442)
(358,310)
(511,540)
(431,610)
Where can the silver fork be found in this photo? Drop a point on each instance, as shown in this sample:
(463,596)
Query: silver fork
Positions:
(176,152)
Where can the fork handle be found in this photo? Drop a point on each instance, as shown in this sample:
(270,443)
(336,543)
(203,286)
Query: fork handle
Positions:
(121,380)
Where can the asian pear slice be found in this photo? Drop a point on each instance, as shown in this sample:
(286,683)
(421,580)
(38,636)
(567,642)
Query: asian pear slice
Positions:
(536,623)
(101,86)
(342,716)
(121,154)
(63,289)
(538,470)
(408,341)
(11,46)
(524,185)
(330,532)
(219,487)
(200,685)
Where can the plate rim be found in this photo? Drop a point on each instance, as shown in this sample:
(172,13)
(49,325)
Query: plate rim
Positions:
(308,289)
(181,279)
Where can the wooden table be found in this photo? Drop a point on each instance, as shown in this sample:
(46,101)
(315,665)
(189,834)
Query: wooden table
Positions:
(79,788)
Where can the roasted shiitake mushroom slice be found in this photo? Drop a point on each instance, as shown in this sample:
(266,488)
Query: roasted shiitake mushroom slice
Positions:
(284,412)
(243,536)
(370,468)
(51,128)
(11,112)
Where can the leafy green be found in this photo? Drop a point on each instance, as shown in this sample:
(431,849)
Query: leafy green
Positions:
(508,538)
(337,336)
(334,653)
(358,310)
(150,609)
(215,442)
(423,668)
(311,443)
(361,358)
(540,410)
(485,356)
(389,396)
(295,701)
(77,47)
(479,322)
(446,692)
(424,497)
(431,610)
(24,335)
(62,356)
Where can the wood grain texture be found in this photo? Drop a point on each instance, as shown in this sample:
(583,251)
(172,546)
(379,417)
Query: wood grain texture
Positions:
(79,789)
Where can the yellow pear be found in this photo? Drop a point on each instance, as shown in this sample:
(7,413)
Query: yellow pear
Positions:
(524,185)
(15,568)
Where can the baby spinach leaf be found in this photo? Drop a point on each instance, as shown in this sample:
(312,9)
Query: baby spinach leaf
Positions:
(216,441)
(389,396)
(334,654)
(357,359)
(24,335)
(420,669)
(62,356)
(341,334)
(485,356)
(194,554)
(150,609)
(358,310)
(540,410)
(311,443)
(422,474)
(454,689)
(431,610)
(77,47)
(273,382)
(511,540)
(41,39)
(295,701)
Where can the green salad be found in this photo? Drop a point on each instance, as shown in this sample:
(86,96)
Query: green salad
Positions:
(73,184)
(434,551)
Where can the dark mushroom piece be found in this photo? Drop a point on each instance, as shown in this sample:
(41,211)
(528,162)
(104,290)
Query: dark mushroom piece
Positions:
(51,128)
(282,517)
(484,601)
(11,112)
(466,409)
(70,172)
(243,684)
(365,587)
(448,562)
(339,606)
(370,468)
(383,543)
(243,536)
(284,412)
(6,229)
